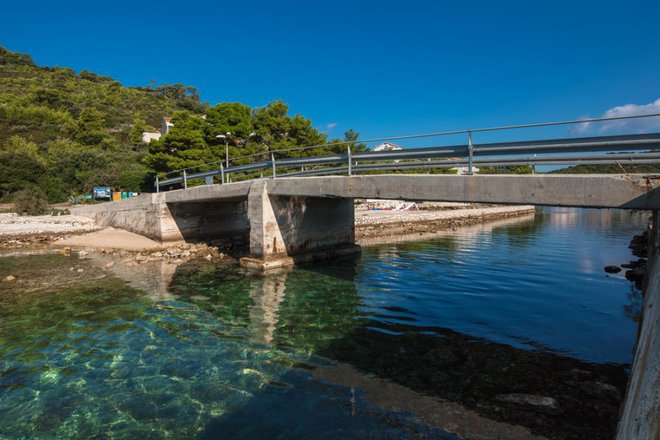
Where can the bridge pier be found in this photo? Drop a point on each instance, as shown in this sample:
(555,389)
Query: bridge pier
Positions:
(285,230)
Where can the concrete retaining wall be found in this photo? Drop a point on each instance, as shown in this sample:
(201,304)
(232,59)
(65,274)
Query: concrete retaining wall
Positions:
(141,215)
(640,418)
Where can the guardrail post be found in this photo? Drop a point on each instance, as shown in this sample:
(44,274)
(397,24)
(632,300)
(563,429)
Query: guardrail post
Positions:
(350,160)
(272,160)
(185,180)
(222,173)
(470,152)
(157,185)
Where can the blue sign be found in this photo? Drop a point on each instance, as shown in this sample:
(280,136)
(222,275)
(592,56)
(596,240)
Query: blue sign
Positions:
(102,192)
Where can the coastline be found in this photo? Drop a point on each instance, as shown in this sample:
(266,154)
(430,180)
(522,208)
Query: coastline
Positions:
(371,227)
(379,227)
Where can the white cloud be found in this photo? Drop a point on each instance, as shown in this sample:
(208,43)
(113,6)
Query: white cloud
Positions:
(331,125)
(629,125)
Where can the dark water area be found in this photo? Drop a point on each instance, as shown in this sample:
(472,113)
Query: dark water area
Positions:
(375,347)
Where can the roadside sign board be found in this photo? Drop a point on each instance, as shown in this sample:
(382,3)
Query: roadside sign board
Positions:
(102,192)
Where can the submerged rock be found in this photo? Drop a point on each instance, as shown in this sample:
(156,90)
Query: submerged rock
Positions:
(531,401)
(636,274)
(639,244)
(9,278)
(612,269)
(633,264)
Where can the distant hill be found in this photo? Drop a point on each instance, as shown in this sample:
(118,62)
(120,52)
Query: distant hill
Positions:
(610,169)
(65,132)
(45,103)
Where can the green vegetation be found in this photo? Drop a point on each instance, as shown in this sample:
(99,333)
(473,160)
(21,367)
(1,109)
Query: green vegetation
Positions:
(523,169)
(30,201)
(610,169)
(253,134)
(66,132)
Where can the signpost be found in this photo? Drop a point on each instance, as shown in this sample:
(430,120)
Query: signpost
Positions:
(102,192)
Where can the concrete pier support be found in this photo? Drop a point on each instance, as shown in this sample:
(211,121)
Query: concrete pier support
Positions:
(285,230)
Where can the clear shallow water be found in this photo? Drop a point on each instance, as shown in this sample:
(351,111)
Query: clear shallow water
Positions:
(228,354)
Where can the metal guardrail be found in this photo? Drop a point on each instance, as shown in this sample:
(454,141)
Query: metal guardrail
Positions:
(621,149)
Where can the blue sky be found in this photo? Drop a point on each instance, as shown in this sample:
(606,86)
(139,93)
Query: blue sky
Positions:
(381,67)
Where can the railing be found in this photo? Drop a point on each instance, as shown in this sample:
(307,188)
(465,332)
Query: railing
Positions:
(620,149)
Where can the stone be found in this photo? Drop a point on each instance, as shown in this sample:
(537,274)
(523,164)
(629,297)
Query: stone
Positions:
(531,401)
(81,270)
(9,278)
(109,265)
(82,255)
(636,274)
(442,357)
(634,264)
(66,251)
(612,269)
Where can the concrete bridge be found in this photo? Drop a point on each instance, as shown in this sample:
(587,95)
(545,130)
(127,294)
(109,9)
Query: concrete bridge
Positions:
(298,219)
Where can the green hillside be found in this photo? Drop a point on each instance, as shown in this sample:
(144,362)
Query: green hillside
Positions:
(65,132)
(610,169)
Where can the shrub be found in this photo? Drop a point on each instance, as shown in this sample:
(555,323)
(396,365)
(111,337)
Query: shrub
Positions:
(30,201)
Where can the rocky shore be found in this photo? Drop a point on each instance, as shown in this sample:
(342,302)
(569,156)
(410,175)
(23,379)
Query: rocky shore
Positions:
(635,269)
(371,224)
(13,225)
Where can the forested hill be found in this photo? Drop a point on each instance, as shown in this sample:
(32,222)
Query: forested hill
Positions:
(42,104)
(63,131)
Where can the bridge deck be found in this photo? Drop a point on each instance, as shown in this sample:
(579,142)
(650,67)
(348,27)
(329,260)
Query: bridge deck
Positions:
(599,191)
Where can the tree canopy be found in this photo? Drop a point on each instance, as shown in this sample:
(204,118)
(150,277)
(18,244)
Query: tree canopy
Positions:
(250,134)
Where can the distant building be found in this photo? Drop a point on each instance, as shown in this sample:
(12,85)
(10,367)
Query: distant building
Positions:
(165,126)
(150,136)
(461,171)
(388,147)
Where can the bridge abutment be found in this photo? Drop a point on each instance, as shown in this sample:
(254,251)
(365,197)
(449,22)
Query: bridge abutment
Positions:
(289,229)
(640,415)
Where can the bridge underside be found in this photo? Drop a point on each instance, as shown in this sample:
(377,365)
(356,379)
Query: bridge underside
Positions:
(293,219)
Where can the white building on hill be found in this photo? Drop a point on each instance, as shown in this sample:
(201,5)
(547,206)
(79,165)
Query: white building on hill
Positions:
(165,126)
(387,146)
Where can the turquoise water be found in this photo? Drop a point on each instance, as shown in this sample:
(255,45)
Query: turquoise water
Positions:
(224,353)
